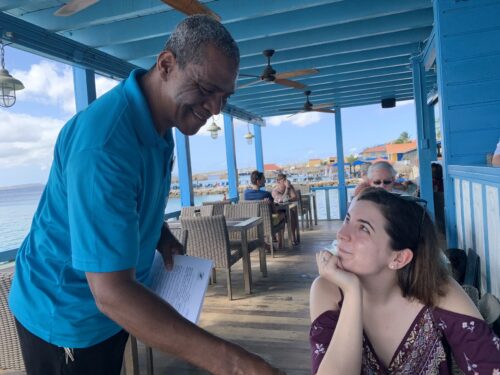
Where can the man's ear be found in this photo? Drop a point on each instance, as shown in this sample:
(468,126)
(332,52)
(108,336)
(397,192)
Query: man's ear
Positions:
(400,259)
(165,63)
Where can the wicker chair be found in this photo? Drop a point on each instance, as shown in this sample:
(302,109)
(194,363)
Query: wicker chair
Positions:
(208,238)
(269,229)
(206,210)
(246,210)
(305,210)
(218,206)
(11,358)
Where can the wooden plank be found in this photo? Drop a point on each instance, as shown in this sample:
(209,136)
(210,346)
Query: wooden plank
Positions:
(458,213)
(466,204)
(493,219)
(479,244)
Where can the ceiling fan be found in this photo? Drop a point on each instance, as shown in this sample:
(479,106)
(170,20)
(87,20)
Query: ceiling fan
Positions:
(188,7)
(309,107)
(270,75)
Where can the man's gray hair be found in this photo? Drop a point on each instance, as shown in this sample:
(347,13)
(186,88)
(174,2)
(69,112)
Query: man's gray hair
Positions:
(189,38)
(384,165)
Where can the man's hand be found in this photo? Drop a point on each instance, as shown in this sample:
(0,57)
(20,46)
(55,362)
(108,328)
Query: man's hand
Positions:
(168,246)
(251,364)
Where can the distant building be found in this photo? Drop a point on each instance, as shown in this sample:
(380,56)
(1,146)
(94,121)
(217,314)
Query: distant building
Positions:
(331,160)
(314,163)
(372,153)
(397,151)
(271,168)
(390,151)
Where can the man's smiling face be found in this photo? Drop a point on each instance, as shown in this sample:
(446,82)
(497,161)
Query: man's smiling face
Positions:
(198,91)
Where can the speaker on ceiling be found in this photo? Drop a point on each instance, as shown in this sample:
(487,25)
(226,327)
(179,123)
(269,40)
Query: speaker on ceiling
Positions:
(388,103)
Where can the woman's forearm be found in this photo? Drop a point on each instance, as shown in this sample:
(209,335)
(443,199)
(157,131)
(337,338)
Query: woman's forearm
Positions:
(344,352)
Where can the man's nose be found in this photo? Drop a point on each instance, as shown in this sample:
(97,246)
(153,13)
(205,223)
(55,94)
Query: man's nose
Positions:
(215,103)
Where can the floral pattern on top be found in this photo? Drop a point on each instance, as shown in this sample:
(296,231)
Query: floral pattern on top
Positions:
(475,349)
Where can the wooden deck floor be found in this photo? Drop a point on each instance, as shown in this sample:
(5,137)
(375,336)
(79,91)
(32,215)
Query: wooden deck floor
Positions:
(273,322)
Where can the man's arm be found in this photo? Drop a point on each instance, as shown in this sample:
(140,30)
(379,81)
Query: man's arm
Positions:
(153,321)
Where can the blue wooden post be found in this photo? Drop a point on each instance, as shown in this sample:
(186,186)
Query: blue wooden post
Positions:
(426,134)
(84,84)
(232,169)
(259,154)
(340,164)
(466,60)
(184,165)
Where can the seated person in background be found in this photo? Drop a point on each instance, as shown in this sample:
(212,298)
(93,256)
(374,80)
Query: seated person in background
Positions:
(495,161)
(254,193)
(385,304)
(285,192)
(380,174)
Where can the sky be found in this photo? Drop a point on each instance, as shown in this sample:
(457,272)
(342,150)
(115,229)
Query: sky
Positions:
(29,129)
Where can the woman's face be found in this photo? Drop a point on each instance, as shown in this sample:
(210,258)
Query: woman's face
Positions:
(362,242)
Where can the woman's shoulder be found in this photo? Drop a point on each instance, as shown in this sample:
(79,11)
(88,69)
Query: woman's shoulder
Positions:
(455,300)
(324,296)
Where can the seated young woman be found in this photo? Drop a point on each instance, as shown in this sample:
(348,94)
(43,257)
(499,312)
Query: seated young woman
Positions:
(385,304)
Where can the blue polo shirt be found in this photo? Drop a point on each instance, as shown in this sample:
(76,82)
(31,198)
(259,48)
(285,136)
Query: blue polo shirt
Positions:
(257,195)
(101,211)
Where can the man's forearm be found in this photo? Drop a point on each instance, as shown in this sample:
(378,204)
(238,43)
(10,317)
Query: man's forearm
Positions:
(157,324)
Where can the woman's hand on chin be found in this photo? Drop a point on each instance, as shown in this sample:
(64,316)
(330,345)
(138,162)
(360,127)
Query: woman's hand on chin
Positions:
(330,268)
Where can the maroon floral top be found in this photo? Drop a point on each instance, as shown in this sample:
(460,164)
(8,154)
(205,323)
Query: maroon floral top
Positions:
(435,336)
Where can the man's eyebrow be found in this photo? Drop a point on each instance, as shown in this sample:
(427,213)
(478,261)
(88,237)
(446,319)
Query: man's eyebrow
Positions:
(213,86)
(367,223)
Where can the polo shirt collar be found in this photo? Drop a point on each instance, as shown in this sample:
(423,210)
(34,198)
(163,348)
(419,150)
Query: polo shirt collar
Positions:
(143,120)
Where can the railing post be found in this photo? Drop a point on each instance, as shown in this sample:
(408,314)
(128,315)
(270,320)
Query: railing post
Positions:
(232,169)
(342,194)
(327,203)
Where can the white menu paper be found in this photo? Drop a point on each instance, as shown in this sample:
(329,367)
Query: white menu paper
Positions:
(184,286)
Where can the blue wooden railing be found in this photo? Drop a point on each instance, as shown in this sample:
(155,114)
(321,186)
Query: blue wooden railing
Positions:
(326,190)
(10,255)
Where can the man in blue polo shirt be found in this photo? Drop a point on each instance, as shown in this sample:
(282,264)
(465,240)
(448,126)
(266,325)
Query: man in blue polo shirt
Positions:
(78,286)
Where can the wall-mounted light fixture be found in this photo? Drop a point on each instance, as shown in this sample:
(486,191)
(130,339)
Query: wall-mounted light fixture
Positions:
(8,84)
(213,129)
(249,136)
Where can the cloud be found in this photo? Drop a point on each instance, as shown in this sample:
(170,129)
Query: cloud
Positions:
(51,83)
(104,84)
(48,83)
(301,119)
(405,102)
(305,119)
(27,140)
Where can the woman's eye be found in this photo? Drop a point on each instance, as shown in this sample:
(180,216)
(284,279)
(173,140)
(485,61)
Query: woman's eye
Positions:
(365,229)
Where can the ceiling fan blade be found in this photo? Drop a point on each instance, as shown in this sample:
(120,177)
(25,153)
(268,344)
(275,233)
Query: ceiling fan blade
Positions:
(73,7)
(325,105)
(287,82)
(248,75)
(191,7)
(250,84)
(323,110)
(296,73)
(289,109)
(296,113)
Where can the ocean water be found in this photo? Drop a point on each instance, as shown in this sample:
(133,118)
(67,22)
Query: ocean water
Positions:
(18,204)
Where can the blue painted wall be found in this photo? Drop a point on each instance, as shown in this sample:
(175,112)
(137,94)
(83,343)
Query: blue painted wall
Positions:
(467,39)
